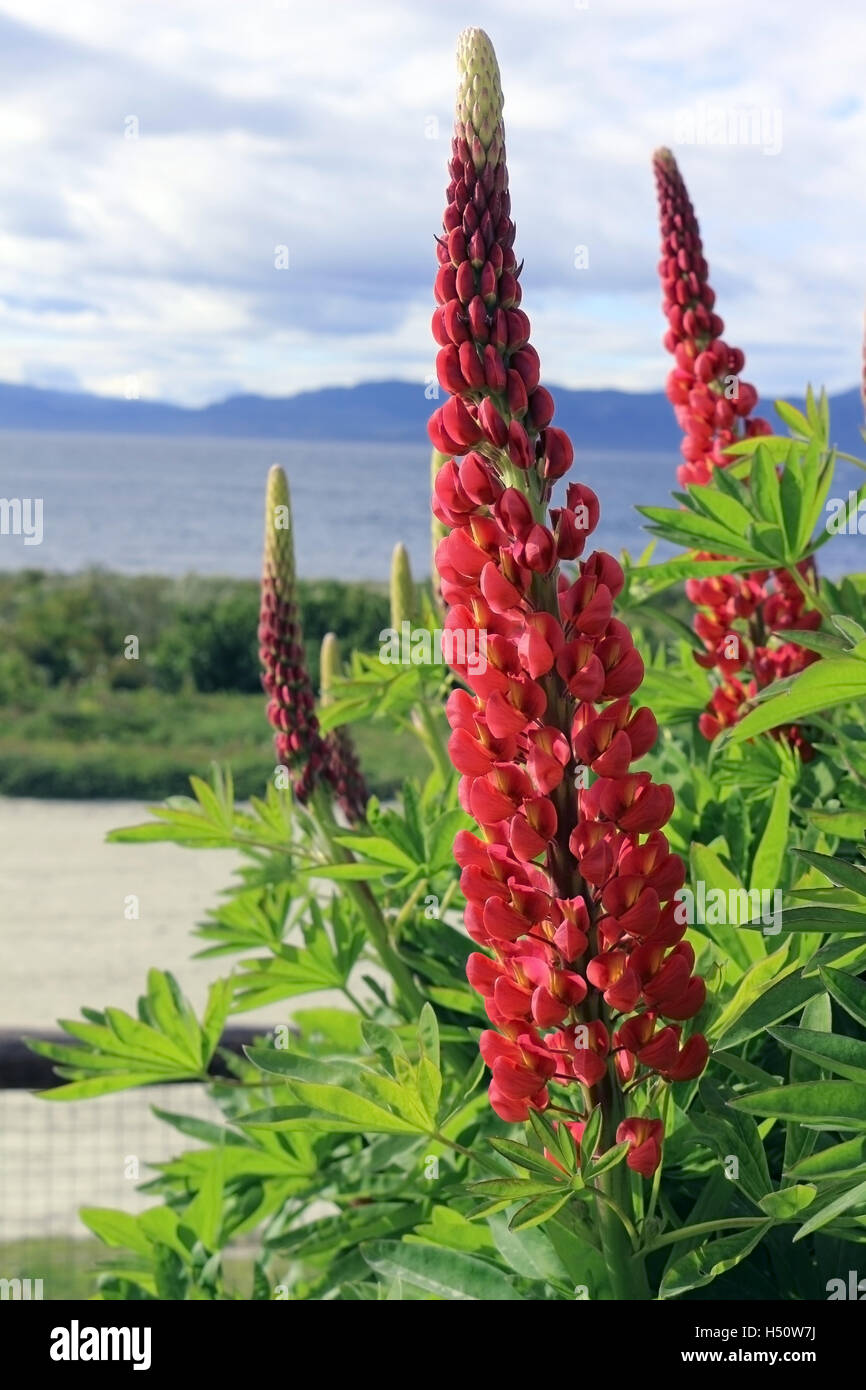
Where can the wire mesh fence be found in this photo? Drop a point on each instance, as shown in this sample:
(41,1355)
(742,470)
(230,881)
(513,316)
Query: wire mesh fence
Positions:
(57,1157)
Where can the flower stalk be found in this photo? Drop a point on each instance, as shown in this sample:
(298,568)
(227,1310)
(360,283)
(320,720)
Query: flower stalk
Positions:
(714,407)
(569,882)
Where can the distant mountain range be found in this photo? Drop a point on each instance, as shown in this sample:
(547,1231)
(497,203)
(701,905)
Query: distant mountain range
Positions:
(375,412)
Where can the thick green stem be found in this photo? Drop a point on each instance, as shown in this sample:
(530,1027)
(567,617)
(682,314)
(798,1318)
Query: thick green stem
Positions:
(706,1228)
(425,727)
(625,1269)
(370,911)
(812,596)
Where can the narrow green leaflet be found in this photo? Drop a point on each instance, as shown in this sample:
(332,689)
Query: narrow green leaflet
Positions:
(446,1274)
(834,681)
(853,1197)
(708,1261)
(839,1161)
(848,991)
(844,1056)
(788,1202)
(817,1017)
(825,1104)
(528,1252)
(839,871)
(777,1003)
(770,854)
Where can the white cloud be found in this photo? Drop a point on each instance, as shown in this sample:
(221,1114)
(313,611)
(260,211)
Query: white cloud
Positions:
(278,122)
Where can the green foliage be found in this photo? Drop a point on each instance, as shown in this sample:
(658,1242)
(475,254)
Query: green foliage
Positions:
(353,1145)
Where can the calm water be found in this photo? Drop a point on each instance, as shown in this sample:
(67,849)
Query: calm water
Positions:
(176,506)
(172,506)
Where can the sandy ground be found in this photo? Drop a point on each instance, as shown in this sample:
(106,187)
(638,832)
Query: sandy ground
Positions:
(64,940)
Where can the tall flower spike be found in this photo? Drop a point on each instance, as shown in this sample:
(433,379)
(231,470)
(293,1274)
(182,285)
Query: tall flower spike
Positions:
(344,769)
(570,882)
(291,702)
(402,589)
(714,408)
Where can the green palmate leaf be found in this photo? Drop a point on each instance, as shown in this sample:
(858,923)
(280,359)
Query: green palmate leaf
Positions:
(844,1056)
(708,1261)
(302,1119)
(848,991)
(448,1228)
(446,1274)
(544,1128)
(854,1196)
(824,1104)
(819,687)
(429,1084)
(840,1160)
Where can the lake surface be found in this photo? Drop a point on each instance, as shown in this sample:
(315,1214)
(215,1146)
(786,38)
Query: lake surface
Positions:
(145,504)
(175,506)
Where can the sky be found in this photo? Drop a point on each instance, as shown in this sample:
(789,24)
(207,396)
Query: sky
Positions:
(201,198)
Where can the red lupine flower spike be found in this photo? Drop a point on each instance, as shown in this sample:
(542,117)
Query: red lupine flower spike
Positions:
(713,406)
(570,899)
(291,704)
(344,769)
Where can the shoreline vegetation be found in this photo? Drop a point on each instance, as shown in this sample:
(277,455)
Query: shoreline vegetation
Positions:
(82,719)
(88,713)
